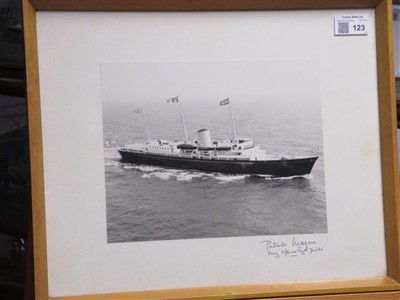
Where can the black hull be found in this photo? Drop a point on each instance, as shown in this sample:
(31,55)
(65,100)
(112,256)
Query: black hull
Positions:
(277,168)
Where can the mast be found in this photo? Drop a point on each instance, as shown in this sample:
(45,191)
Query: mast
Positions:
(233,122)
(227,102)
(176,99)
(147,127)
(183,121)
(140,111)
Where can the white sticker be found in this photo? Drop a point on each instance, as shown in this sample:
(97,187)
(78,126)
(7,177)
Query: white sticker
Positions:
(351,25)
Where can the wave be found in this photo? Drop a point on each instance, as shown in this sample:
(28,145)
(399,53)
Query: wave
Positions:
(159,175)
(142,168)
(111,163)
(307,176)
(226,178)
(166,174)
(190,175)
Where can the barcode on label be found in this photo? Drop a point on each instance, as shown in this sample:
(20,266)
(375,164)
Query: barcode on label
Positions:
(343,27)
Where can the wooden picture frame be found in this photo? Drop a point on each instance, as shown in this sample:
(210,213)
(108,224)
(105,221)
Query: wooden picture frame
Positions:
(396,2)
(387,287)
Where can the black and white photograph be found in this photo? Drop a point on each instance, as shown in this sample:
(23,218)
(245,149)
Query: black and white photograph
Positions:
(209,149)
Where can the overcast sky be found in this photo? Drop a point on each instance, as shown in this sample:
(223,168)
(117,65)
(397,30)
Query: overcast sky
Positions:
(251,81)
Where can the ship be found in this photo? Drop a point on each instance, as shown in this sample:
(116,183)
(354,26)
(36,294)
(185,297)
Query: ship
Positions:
(234,155)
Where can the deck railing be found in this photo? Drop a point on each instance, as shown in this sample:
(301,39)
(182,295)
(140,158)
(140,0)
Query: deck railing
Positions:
(204,157)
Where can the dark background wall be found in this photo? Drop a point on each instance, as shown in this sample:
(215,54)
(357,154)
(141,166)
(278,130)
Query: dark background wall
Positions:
(16,276)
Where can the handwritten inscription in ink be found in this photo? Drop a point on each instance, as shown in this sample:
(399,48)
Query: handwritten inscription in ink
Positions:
(295,248)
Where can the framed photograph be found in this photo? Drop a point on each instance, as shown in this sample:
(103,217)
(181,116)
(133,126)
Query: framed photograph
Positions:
(213,149)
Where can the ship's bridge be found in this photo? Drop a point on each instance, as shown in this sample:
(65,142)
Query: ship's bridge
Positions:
(242,144)
(159,146)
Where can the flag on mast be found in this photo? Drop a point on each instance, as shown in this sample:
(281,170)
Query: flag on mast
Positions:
(224,102)
(138,110)
(173,99)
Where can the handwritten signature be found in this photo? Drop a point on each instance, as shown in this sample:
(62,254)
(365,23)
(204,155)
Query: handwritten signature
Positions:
(295,248)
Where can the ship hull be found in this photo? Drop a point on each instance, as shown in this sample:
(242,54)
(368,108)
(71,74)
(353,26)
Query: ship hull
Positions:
(277,168)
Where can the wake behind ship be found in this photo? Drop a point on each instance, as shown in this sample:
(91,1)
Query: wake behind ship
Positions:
(230,156)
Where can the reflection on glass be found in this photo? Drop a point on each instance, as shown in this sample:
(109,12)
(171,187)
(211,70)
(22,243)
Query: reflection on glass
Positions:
(11,32)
